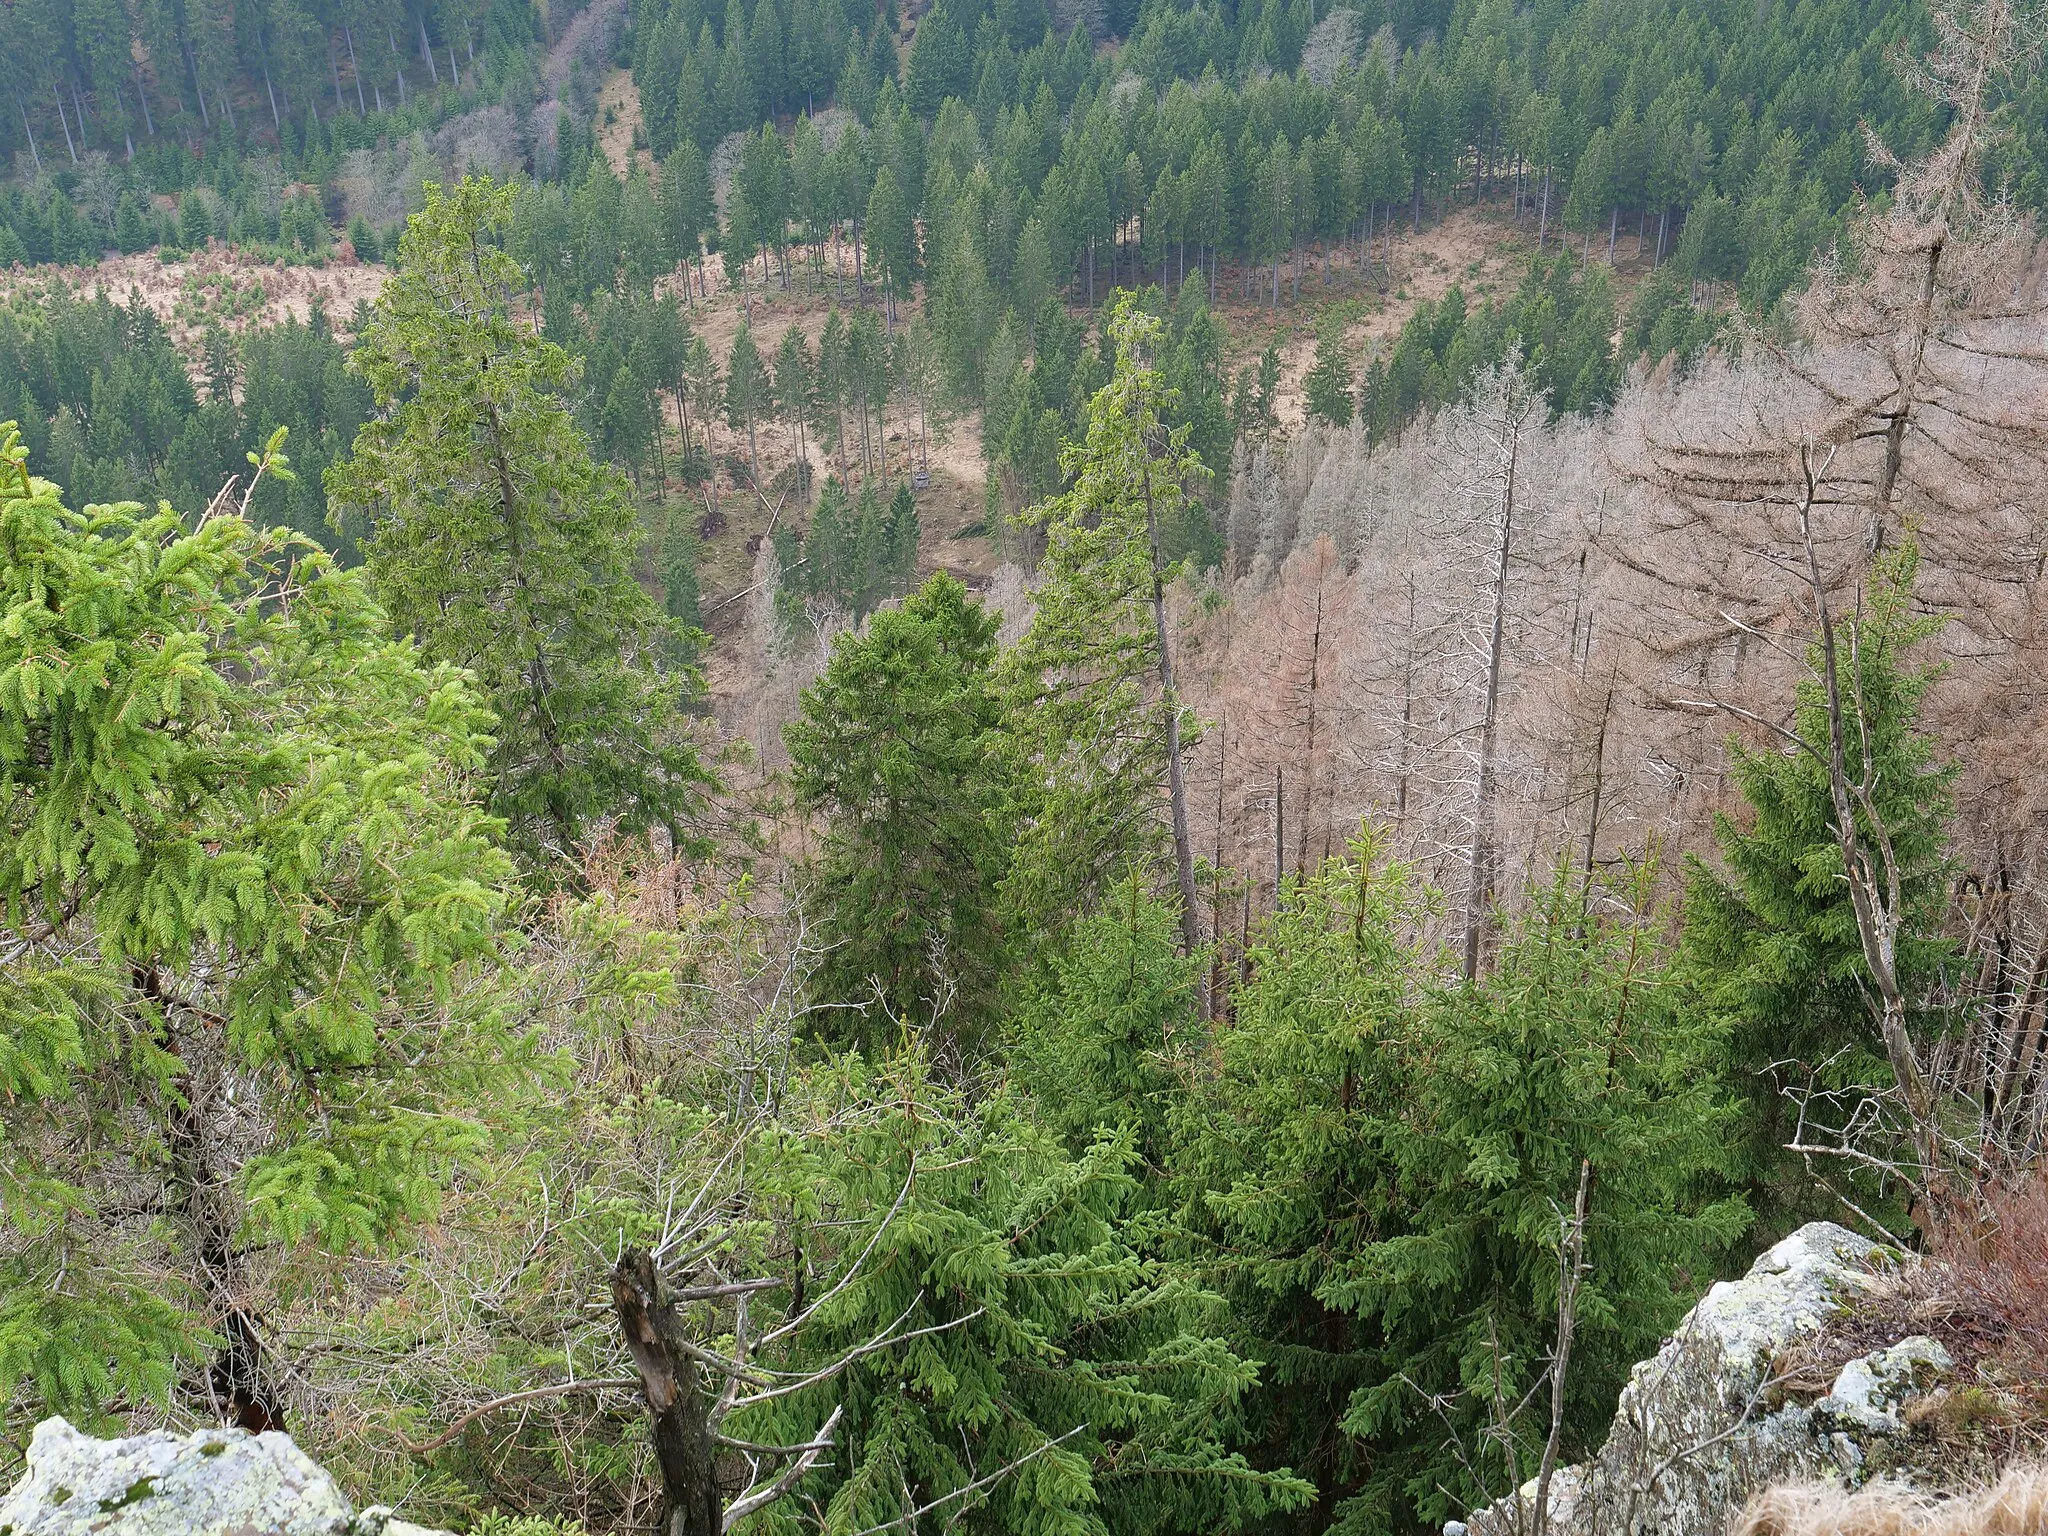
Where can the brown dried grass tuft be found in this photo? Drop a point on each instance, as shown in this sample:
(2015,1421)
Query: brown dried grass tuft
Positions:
(2016,1505)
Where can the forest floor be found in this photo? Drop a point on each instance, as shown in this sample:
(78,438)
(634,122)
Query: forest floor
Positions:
(1479,248)
(618,120)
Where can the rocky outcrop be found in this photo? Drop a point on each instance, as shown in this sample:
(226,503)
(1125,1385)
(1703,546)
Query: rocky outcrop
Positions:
(1708,1422)
(217,1482)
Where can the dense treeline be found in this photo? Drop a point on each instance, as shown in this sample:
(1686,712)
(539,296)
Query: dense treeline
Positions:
(148,78)
(164,125)
(109,408)
(1262,130)
(1011,167)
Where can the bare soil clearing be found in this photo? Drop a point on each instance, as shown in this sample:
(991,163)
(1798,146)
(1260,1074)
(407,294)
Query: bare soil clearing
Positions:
(220,285)
(618,120)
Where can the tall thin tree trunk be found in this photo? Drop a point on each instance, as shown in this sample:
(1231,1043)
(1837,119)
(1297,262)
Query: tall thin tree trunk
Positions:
(61,118)
(1279,831)
(349,36)
(1479,890)
(1407,712)
(427,52)
(199,90)
(33,153)
(1599,778)
(1176,779)
(1308,761)
(276,121)
(127,135)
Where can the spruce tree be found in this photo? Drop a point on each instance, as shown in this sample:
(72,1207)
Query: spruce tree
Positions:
(1328,384)
(895,751)
(501,545)
(899,541)
(1770,944)
(748,392)
(1099,722)
(247,905)
(680,596)
(1081,1381)
(1380,1166)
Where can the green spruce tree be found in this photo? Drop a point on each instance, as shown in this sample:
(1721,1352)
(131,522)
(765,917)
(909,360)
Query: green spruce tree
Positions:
(243,884)
(502,546)
(895,751)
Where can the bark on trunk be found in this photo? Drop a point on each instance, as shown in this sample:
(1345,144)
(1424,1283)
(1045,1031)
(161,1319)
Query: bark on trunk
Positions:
(691,1502)
(1176,780)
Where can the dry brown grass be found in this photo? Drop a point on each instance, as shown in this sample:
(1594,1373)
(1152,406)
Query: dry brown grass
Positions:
(1999,1269)
(2016,1505)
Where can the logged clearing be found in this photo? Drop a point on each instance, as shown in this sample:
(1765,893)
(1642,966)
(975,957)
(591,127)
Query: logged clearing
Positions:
(1481,249)
(218,286)
(1478,248)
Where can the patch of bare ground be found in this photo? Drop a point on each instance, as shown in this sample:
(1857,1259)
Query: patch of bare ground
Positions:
(618,121)
(950,509)
(1479,249)
(221,285)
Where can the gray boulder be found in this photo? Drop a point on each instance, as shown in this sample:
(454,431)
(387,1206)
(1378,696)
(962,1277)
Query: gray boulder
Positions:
(216,1482)
(1702,1425)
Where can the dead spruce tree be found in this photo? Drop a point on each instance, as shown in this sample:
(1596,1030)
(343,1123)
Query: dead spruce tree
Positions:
(1481,459)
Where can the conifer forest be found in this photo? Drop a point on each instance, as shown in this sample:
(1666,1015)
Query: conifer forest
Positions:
(1029,767)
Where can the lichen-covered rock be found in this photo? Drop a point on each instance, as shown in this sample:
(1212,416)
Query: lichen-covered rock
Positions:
(1699,1427)
(1866,1395)
(217,1482)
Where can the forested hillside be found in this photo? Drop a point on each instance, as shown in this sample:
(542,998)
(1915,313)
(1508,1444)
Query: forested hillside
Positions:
(1122,770)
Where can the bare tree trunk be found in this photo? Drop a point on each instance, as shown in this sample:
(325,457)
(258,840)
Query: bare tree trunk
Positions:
(1599,772)
(34,153)
(1308,765)
(1480,889)
(1279,832)
(1571,1266)
(349,36)
(683,1448)
(1176,778)
(69,143)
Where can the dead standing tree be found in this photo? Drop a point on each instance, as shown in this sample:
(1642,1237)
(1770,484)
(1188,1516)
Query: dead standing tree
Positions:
(1911,406)
(690,1388)
(1482,467)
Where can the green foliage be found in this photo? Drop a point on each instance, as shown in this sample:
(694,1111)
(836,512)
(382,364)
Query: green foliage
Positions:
(1561,320)
(894,751)
(1383,1159)
(857,554)
(1328,384)
(499,543)
(1091,767)
(1101,1045)
(107,405)
(1068,1350)
(241,872)
(1770,943)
